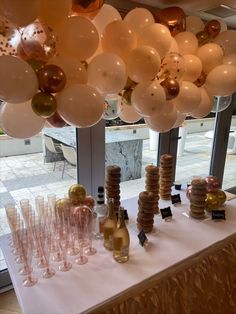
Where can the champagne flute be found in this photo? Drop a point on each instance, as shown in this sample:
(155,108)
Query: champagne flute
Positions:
(90,228)
(64,244)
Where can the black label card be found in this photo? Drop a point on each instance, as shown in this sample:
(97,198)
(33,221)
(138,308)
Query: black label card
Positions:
(175,199)
(126,217)
(178,186)
(166,212)
(218,214)
(142,237)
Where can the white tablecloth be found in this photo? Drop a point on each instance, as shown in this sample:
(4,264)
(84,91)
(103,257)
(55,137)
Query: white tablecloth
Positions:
(86,288)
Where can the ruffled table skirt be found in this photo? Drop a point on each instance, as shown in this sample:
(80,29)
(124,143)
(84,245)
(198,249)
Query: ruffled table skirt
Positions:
(204,283)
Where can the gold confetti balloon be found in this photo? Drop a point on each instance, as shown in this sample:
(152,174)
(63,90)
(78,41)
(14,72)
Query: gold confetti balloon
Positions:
(221,196)
(77,194)
(212,202)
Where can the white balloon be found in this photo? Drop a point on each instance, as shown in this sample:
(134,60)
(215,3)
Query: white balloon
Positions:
(105,16)
(189,97)
(193,68)
(148,98)
(139,18)
(194,24)
(187,43)
(164,120)
(157,36)
(230,59)
(107,73)
(205,106)
(221,81)
(143,64)
(211,56)
(128,114)
(174,46)
(19,120)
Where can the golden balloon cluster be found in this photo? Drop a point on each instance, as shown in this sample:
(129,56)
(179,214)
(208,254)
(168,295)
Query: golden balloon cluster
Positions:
(76,199)
(215,196)
(75,62)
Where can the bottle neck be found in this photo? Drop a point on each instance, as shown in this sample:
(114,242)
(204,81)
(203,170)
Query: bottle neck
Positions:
(111,213)
(121,219)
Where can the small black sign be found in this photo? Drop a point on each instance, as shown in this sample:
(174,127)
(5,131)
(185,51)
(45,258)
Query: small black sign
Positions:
(126,217)
(166,212)
(178,186)
(142,237)
(175,199)
(218,214)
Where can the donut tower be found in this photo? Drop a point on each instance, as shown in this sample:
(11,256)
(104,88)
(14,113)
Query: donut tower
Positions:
(112,185)
(152,183)
(198,198)
(166,176)
(146,208)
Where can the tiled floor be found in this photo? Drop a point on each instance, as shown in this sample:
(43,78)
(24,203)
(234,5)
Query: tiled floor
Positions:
(27,176)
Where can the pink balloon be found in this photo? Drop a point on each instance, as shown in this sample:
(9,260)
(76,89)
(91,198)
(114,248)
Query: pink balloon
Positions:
(128,114)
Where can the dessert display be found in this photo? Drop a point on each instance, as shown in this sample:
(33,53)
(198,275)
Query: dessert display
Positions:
(198,198)
(146,209)
(112,186)
(152,183)
(166,176)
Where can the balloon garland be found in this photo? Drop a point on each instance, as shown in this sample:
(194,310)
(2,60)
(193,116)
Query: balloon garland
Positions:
(76,62)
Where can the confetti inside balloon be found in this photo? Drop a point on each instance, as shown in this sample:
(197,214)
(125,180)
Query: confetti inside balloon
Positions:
(9,38)
(173,66)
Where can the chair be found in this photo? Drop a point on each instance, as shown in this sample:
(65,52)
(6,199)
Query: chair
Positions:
(54,149)
(70,156)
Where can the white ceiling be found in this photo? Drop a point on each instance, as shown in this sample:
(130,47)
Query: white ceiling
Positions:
(190,7)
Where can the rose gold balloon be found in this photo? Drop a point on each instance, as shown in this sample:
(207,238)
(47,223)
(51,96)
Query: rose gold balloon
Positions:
(174,18)
(56,121)
(200,80)
(38,41)
(86,6)
(202,37)
(213,184)
(51,78)
(213,28)
(89,201)
(171,87)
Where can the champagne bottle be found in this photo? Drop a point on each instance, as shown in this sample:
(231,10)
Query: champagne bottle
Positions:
(109,226)
(101,213)
(121,240)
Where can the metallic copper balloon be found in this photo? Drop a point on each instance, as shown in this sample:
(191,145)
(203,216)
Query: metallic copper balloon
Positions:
(221,196)
(213,28)
(200,80)
(212,202)
(52,79)
(87,6)
(202,37)
(44,104)
(171,87)
(36,64)
(174,18)
(56,121)
(77,194)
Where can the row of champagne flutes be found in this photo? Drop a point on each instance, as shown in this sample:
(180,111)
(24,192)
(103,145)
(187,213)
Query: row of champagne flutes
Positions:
(49,234)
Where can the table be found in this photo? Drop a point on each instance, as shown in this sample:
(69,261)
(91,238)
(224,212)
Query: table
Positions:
(188,267)
(123,148)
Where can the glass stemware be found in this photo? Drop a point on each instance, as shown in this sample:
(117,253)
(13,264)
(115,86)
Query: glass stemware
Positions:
(64,244)
(46,248)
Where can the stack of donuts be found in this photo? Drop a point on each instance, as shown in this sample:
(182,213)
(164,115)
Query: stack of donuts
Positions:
(112,185)
(198,198)
(166,176)
(146,208)
(152,183)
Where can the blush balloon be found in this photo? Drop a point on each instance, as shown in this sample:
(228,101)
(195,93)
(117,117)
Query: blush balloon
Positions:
(56,121)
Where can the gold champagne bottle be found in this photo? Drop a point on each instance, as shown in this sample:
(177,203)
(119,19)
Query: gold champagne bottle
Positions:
(109,226)
(121,240)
